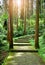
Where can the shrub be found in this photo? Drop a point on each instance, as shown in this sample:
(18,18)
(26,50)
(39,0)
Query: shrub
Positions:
(41,16)
(18,32)
(3,38)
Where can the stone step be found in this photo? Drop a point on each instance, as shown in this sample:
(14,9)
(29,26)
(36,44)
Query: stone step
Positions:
(22,44)
(33,51)
(22,41)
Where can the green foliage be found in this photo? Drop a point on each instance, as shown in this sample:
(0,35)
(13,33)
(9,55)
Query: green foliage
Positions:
(18,32)
(32,41)
(41,51)
(19,28)
(33,16)
(3,33)
(30,31)
(41,16)
(3,17)
(3,38)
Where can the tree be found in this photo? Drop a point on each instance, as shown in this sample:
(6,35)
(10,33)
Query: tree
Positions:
(5,5)
(22,13)
(27,9)
(37,25)
(44,24)
(16,14)
(10,24)
(31,7)
(24,17)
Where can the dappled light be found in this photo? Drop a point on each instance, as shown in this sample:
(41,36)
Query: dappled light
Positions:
(18,54)
(24,59)
(9,57)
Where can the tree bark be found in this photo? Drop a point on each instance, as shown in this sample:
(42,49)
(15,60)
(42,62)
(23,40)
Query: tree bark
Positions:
(24,17)
(31,7)
(27,7)
(22,13)
(5,5)
(10,24)
(16,16)
(37,25)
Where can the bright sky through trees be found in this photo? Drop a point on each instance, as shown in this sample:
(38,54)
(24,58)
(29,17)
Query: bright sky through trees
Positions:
(19,3)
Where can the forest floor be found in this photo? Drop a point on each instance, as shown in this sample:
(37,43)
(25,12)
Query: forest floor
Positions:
(23,58)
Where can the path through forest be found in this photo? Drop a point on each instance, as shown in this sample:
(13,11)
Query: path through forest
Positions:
(23,58)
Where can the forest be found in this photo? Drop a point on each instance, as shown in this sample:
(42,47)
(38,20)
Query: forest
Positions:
(22,23)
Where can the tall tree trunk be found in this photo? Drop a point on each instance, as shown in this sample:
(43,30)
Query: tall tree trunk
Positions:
(27,7)
(31,7)
(28,13)
(40,6)
(37,25)
(5,5)
(10,24)
(22,13)
(44,27)
(24,17)
(5,11)
(16,13)
(17,16)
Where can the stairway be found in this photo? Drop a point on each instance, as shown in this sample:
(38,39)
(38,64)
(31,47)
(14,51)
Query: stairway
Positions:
(23,47)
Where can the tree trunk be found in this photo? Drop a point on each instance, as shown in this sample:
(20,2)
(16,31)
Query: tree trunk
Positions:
(37,25)
(16,14)
(44,27)
(10,24)
(24,17)
(5,5)
(22,13)
(31,7)
(17,17)
(27,7)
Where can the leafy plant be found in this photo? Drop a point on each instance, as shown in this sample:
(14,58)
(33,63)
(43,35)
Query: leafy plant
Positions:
(3,33)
